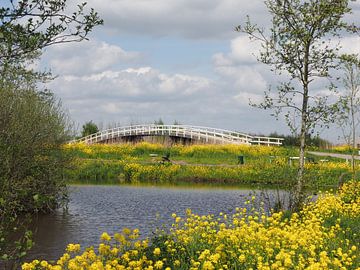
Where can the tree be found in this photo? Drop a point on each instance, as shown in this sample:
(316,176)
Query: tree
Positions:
(349,103)
(89,128)
(27,26)
(292,140)
(33,126)
(300,44)
(159,122)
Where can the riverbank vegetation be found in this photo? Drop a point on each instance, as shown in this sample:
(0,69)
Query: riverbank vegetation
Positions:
(323,235)
(33,125)
(32,132)
(126,163)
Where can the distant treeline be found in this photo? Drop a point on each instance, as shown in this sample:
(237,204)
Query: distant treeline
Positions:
(312,141)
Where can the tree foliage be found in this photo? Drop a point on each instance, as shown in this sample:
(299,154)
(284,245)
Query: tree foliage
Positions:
(89,128)
(32,131)
(301,44)
(294,140)
(27,26)
(159,122)
(33,126)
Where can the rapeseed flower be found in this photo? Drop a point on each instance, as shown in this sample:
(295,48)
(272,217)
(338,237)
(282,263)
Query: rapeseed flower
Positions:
(314,238)
(157,251)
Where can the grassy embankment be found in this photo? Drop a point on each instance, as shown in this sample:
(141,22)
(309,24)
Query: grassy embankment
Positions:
(197,163)
(324,235)
(342,149)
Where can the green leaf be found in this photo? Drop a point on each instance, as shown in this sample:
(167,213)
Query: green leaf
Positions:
(36,197)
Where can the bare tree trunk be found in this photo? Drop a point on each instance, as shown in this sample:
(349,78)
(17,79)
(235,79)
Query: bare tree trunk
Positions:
(354,88)
(299,188)
(353,139)
(298,192)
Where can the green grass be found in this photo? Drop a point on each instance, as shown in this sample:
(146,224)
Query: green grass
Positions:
(196,164)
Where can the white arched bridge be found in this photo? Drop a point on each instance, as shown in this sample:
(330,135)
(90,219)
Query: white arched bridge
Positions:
(193,133)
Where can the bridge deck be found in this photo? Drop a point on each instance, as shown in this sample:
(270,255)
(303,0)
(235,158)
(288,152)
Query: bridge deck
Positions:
(205,134)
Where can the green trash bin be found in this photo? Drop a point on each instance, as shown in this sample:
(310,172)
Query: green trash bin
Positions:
(241,160)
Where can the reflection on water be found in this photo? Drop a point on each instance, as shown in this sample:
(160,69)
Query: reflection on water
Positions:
(95,209)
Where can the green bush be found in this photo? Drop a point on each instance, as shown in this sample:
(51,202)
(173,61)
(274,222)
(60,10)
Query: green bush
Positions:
(32,131)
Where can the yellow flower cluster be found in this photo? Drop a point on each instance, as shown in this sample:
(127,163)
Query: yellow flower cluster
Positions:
(311,239)
(344,148)
(135,163)
(135,172)
(120,151)
(116,149)
(95,150)
(329,166)
(248,150)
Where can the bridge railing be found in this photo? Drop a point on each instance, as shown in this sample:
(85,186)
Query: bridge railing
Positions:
(193,132)
(266,141)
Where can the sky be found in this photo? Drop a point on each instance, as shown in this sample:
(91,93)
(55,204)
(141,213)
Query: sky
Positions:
(177,60)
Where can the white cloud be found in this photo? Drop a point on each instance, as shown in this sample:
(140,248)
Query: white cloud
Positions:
(245,98)
(187,84)
(244,78)
(194,19)
(110,108)
(350,45)
(87,57)
(141,84)
(239,68)
(244,51)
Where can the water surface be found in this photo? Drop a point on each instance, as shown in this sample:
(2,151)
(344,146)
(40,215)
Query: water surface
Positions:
(95,209)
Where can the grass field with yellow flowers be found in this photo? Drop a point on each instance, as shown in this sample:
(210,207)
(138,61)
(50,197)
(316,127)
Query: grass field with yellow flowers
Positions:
(324,235)
(141,163)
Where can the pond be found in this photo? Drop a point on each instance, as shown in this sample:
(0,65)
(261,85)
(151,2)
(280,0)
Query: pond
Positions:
(96,209)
